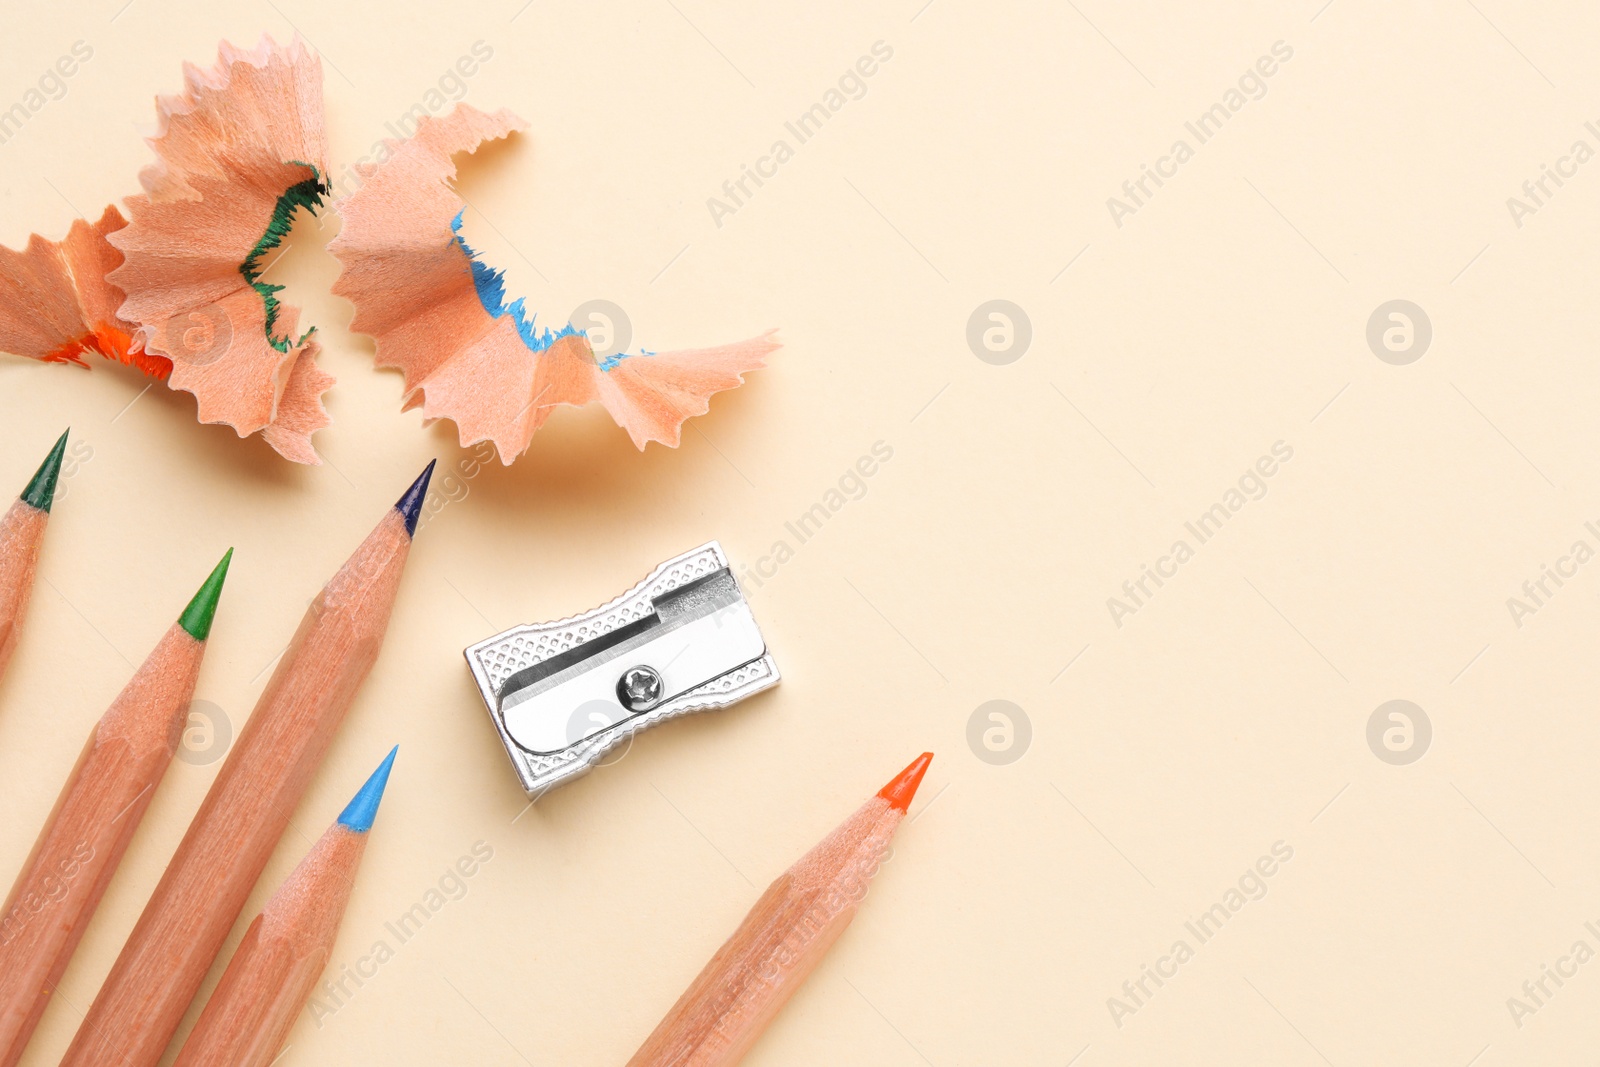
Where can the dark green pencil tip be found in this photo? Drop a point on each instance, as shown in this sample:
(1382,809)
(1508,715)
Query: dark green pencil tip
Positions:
(196,618)
(42,490)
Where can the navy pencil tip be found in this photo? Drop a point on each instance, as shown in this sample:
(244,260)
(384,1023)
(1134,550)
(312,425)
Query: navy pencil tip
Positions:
(410,505)
(362,810)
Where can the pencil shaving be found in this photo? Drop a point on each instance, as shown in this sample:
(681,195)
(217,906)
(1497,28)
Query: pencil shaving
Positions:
(439,315)
(56,305)
(238,152)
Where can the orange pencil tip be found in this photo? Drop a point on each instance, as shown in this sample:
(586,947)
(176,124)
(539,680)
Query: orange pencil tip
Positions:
(904,786)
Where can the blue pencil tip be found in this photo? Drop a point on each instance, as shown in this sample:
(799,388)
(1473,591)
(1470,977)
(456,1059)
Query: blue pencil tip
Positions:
(360,813)
(410,505)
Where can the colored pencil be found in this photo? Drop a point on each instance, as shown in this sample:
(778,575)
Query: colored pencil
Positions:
(238,825)
(249,1016)
(787,933)
(100,807)
(21,532)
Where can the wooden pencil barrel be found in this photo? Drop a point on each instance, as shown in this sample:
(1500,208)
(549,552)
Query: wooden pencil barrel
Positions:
(242,818)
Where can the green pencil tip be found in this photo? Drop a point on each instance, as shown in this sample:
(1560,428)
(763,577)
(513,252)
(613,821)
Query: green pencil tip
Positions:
(42,490)
(196,618)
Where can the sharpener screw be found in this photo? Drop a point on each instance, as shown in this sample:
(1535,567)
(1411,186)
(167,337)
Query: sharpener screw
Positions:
(639,688)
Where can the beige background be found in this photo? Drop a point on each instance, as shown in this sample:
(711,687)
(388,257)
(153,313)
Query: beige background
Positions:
(1168,354)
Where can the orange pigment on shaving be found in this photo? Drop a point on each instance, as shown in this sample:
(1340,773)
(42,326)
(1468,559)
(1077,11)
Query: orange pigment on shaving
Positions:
(112,343)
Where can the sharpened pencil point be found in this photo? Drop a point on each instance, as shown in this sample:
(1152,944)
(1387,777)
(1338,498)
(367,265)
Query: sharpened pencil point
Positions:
(359,814)
(196,618)
(41,491)
(904,786)
(410,505)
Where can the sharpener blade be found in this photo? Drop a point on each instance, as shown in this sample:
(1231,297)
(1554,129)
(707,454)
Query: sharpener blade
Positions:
(697,633)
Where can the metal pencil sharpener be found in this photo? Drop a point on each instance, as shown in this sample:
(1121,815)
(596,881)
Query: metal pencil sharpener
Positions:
(563,694)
